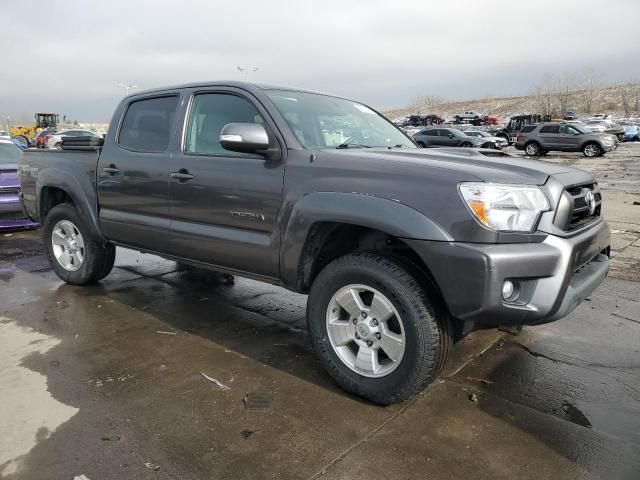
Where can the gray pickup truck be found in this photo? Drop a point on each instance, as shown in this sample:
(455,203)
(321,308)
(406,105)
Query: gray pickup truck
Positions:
(399,248)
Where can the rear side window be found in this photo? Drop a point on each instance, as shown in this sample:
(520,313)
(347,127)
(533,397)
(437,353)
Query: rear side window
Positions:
(528,128)
(429,133)
(147,124)
(550,129)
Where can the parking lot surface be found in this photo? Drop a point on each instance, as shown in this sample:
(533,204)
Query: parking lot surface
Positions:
(163,372)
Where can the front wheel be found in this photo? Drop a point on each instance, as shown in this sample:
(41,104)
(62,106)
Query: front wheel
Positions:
(532,149)
(73,253)
(466,145)
(591,149)
(375,329)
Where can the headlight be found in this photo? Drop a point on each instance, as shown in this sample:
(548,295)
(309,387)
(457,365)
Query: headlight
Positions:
(512,208)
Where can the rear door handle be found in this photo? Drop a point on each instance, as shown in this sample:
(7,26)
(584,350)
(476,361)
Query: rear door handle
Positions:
(181,175)
(111,169)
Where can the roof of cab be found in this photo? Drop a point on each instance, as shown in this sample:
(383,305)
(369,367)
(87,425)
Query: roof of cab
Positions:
(225,83)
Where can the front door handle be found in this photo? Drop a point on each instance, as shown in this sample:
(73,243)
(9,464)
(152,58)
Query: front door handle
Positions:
(111,169)
(182,175)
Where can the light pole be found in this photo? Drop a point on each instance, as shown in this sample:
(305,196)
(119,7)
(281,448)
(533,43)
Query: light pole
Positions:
(246,70)
(126,87)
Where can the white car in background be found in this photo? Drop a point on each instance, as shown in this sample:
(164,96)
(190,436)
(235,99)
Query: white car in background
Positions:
(54,140)
(596,126)
(4,135)
(496,142)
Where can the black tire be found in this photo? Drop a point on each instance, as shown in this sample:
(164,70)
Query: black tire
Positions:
(98,257)
(591,150)
(428,330)
(466,145)
(532,149)
(421,144)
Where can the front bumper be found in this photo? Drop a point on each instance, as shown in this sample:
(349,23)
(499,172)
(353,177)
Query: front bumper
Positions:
(552,277)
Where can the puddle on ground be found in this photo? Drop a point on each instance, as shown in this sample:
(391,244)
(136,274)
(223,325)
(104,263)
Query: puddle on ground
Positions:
(28,411)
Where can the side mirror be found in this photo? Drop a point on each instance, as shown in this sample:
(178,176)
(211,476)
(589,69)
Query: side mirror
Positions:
(244,138)
(450,135)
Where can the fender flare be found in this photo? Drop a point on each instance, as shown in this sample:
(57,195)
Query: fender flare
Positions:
(81,191)
(388,216)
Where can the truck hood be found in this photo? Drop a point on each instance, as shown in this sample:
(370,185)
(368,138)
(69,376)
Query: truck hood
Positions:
(469,164)
(9,175)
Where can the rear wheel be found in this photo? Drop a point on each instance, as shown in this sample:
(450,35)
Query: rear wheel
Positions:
(73,253)
(532,149)
(591,149)
(375,329)
(421,144)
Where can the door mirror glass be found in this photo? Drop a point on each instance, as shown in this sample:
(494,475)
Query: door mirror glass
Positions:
(244,138)
(450,135)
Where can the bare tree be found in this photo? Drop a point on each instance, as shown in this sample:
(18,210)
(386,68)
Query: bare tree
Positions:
(589,82)
(544,95)
(625,94)
(564,87)
(421,102)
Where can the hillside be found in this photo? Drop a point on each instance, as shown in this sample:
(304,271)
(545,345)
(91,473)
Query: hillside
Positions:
(607,99)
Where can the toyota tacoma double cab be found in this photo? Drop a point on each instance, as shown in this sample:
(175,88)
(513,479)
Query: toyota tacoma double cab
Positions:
(397,247)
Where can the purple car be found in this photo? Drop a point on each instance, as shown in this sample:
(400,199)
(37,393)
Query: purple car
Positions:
(11,213)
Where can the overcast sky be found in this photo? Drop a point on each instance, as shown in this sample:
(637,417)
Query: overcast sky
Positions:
(66,56)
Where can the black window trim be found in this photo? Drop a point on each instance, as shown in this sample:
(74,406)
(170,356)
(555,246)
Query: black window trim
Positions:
(140,99)
(228,153)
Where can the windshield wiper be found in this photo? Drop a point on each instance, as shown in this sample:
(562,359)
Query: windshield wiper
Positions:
(354,145)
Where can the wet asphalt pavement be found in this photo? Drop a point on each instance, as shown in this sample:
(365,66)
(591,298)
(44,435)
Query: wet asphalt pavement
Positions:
(164,373)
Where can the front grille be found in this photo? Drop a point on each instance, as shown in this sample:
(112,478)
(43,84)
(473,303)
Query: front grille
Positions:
(9,189)
(575,208)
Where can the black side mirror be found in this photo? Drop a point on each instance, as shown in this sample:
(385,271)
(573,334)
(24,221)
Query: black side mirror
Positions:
(450,135)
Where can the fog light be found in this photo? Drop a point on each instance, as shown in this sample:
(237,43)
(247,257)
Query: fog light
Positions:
(507,289)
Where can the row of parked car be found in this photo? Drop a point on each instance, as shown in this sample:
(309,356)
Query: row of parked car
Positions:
(535,139)
(53,138)
(471,117)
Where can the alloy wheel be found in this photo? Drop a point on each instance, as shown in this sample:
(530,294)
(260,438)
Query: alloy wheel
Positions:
(68,245)
(365,330)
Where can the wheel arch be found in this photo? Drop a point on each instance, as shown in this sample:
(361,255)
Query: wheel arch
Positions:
(324,226)
(54,187)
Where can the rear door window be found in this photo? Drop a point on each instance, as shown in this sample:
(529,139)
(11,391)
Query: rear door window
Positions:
(147,124)
(550,129)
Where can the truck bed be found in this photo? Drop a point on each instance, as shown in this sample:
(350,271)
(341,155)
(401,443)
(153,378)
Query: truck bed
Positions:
(49,167)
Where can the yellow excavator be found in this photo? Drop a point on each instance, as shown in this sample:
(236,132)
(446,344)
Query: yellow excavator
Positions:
(44,121)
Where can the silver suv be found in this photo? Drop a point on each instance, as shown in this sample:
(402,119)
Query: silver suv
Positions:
(564,137)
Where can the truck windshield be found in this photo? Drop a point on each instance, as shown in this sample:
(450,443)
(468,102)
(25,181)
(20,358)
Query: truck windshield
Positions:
(321,121)
(9,154)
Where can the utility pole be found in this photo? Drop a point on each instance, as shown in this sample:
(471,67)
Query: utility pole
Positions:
(246,70)
(126,87)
